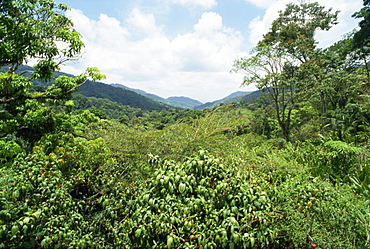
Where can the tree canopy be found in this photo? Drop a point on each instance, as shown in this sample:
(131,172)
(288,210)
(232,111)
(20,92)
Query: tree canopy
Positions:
(36,31)
(278,63)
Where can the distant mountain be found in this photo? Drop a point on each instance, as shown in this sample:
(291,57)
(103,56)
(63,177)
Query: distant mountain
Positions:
(232,98)
(181,102)
(184,101)
(252,95)
(120,95)
(140,99)
(101,90)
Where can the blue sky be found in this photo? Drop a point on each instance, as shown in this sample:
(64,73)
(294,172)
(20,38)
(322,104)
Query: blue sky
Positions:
(181,47)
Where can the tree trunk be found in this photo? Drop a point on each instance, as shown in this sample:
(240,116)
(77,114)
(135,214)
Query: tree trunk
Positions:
(323,113)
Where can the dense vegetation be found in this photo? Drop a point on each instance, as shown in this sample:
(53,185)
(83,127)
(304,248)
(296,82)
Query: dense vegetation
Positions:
(288,170)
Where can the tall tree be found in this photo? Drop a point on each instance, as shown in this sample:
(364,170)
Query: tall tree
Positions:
(347,76)
(38,31)
(272,71)
(32,30)
(294,32)
(282,58)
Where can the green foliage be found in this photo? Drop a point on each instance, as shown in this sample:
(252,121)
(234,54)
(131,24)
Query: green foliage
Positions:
(213,131)
(348,123)
(55,197)
(200,203)
(294,30)
(37,183)
(262,160)
(278,63)
(73,178)
(27,122)
(9,150)
(313,211)
(263,123)
(335,160)
(112,110)
(362,35)
(273,71)
(112,197)
(32,29)
(361,180)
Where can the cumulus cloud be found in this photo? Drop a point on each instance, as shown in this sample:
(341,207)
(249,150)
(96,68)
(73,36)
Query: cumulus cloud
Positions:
(143,24)
(194,64)
(209,22)
(261,24)
(137,52)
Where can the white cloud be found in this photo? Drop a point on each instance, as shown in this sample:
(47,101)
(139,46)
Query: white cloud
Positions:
(106,31)
(195,64)
(206,4)
(260,25)
(209,22)
(143,24)
(137,52)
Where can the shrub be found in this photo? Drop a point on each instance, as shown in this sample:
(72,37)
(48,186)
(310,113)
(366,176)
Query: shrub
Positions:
(313,211)
(57,195)
(335,160)
(200,203)
(9,150)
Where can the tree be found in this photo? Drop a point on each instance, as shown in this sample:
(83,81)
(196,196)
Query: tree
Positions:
(361,38)
(31,29)
(294,30)
(276,65)
(35,30)
(285,58)
(347,79)
(271,70)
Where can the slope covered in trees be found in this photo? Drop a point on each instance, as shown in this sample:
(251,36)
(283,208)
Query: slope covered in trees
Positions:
(178,102)
(232,98)
(96,90)
(290,170)
(125,97)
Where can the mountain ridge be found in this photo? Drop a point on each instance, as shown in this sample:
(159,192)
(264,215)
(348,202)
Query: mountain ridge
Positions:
(138,98)
(100,90)
(231,98)
(175,101)
(186,102)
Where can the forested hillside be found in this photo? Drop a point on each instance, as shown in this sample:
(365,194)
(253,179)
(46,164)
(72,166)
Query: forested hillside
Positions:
(232,98)
(287,170)
(178,102)
(96,90)
(125,97)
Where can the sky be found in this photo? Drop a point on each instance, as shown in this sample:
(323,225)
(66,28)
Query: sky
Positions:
(181,47)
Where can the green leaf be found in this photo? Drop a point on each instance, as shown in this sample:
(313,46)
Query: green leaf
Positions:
(169,241)
(182,187)
(138,233)
(15,229)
